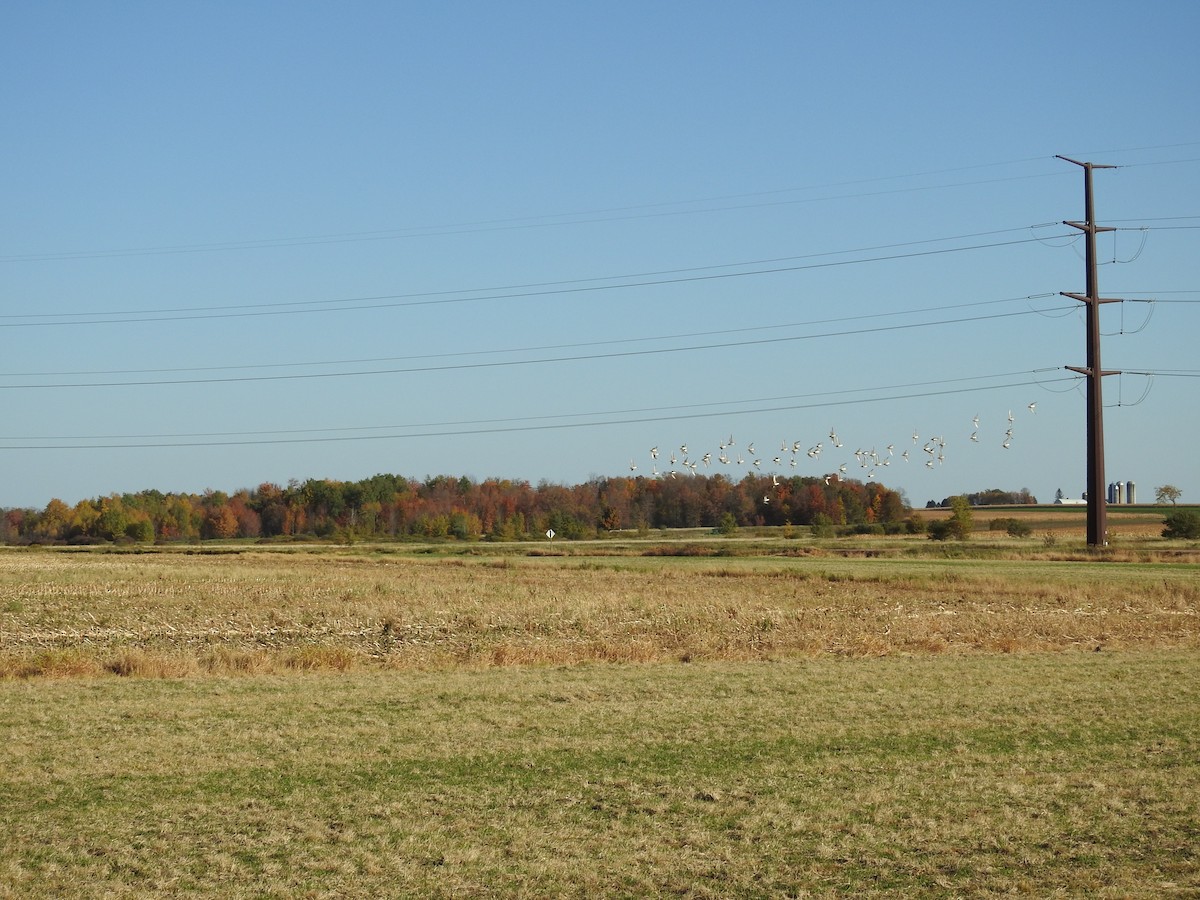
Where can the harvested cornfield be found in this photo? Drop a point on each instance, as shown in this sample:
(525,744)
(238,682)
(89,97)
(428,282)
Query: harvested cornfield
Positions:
(181,614)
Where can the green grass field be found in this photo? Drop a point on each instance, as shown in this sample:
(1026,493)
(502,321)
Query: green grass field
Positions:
(368,722)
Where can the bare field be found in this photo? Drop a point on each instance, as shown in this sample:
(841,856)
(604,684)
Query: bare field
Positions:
(181,614)
(1126,523)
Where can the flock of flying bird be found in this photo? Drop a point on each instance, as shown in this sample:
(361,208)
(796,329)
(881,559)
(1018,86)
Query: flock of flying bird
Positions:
(729,453)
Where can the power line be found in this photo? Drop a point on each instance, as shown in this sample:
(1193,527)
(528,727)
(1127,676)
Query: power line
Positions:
(634,417)
(516,223)
(555,416)
(532,349)
(1163,373)
(489,365)
(405,300)
(579,217)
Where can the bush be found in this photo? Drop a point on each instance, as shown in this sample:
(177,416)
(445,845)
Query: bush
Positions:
(1013,527)
(822,526)
(1182,524)
(1017,528)
(940,530)
(865,528)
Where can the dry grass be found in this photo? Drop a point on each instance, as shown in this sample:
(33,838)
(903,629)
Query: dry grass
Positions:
(177,615)
(944,776)
(349,723)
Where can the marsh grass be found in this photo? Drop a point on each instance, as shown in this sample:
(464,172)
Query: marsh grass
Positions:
(947,775)
(179,615)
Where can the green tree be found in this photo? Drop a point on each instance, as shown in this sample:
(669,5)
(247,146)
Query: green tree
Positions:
(465,526)
(140,530)
(113,520)
(961,521)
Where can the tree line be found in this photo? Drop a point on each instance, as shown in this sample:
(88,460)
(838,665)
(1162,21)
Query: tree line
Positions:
(393,507)
(991,497)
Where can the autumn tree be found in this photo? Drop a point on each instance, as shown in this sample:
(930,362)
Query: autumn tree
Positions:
(54,521)
(221,522)
(1167,493)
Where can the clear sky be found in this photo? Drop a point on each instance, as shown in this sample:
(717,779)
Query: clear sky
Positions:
(259,241)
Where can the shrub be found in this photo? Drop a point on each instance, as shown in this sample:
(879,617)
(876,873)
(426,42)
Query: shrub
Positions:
(940,530)
(822,526)
(866,528)
(1017,528)
(1014,527)
(1182,524)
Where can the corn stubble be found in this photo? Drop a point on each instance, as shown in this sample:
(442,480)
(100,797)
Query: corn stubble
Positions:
(176,615)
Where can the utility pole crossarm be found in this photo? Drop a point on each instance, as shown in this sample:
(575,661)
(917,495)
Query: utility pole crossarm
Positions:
(1083,298)
(1090,229)
(1086,165)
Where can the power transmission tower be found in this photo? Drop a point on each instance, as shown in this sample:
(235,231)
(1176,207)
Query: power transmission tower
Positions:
(1097,513)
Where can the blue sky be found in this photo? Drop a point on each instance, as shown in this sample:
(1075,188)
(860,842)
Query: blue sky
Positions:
(249,242)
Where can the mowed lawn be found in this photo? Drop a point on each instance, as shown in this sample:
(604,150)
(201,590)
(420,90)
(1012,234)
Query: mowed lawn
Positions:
(787,727)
